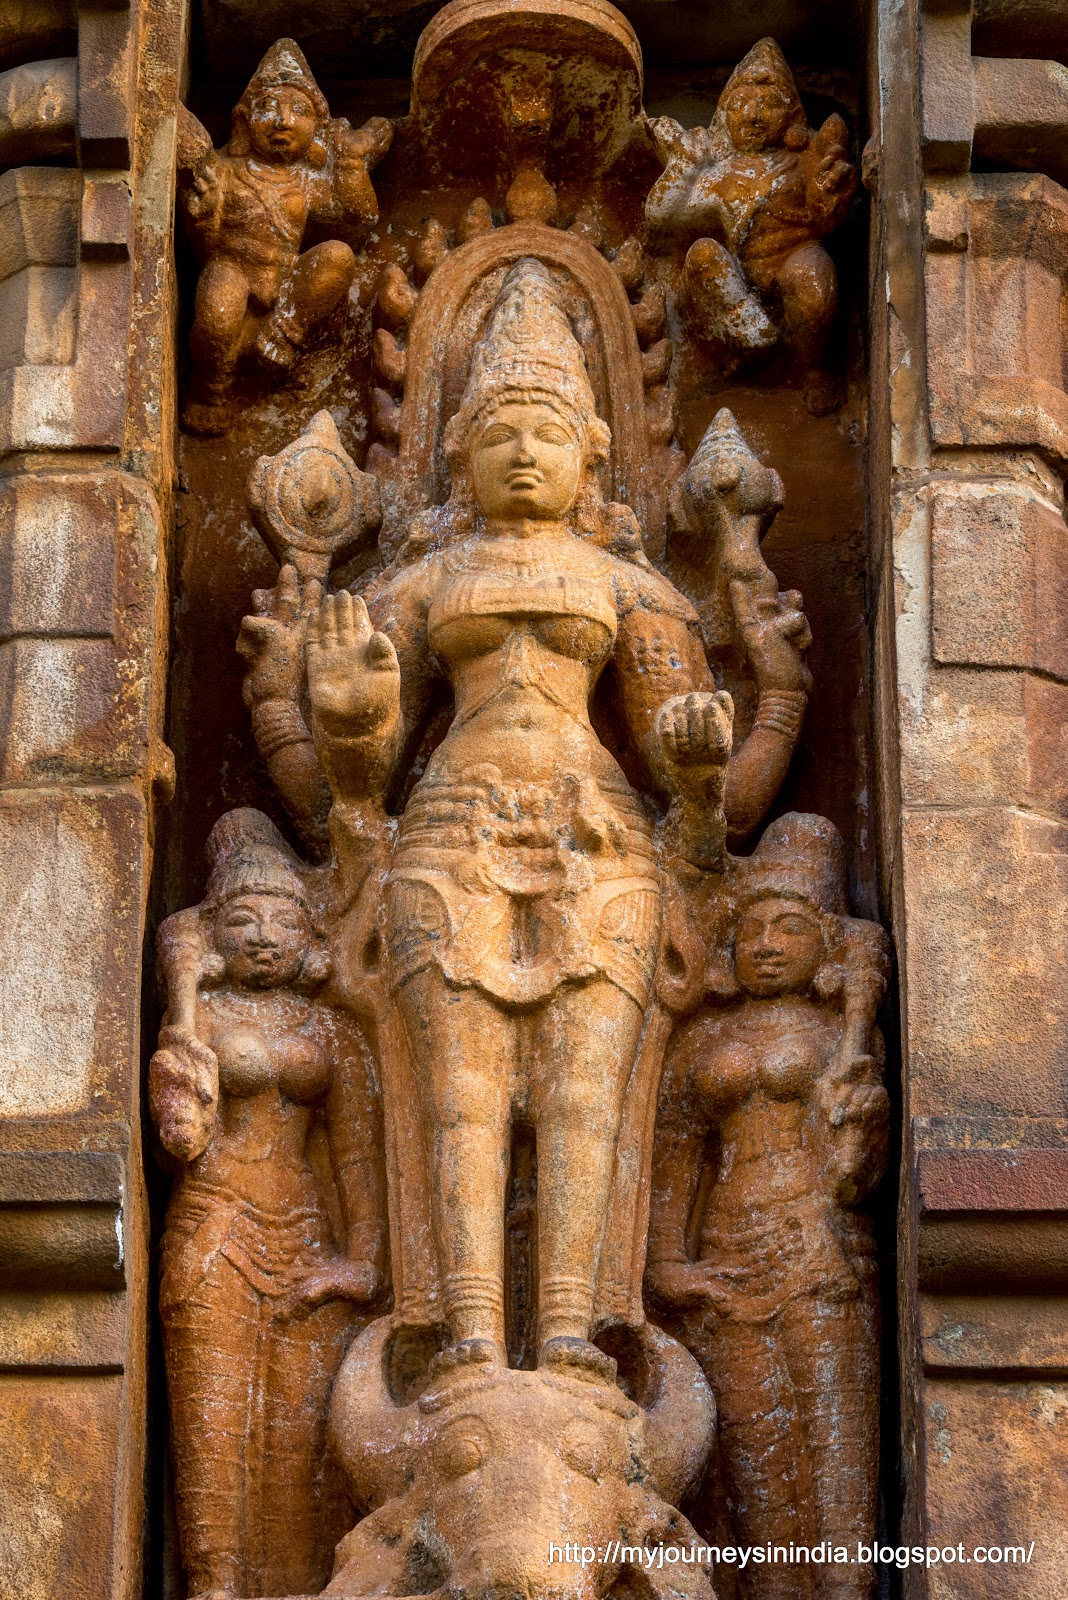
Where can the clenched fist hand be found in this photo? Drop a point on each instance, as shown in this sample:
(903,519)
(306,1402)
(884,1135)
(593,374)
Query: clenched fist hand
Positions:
(183,1090)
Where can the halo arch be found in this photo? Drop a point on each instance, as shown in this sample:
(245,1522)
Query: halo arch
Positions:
(448,322)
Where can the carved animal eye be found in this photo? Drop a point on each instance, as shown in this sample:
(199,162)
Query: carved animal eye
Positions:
(583,1454)
(460,1449)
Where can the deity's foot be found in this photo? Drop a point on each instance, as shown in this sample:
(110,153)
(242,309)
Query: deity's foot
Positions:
(579,1358)
(275,350)
(466,1353)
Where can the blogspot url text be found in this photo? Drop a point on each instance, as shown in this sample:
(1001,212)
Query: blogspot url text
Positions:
(896,1555)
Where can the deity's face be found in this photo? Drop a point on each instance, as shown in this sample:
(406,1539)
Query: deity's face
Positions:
(757,115)
(262,938)
(778,947)
(281,124)
(526,462)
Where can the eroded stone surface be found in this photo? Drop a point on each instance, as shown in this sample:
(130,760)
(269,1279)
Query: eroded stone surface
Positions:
(72,882)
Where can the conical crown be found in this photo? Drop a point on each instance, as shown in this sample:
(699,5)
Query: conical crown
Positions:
(800,857)
(527,349)
(765,63)
(284,66)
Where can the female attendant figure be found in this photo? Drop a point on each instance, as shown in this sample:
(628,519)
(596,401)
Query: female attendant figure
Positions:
(768,1272)
(265,1097)
(523,899)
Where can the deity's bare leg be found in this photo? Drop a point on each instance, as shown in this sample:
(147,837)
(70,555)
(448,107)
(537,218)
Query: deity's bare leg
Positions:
(464,1048)
(720,301)
(809,287)
(318,282)
(582,1049)
(218,324)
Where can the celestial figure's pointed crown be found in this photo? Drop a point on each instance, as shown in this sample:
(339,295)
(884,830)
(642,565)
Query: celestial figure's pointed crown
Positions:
(800,857)
(765,63)
(527,351)
(284,67)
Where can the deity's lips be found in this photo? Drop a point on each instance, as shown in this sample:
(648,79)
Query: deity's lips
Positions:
(525,478)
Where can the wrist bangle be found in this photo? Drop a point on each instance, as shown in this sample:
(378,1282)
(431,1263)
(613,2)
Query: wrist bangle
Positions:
(781,711)
(277,723)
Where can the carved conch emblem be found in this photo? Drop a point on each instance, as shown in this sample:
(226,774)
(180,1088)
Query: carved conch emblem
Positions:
(312,505)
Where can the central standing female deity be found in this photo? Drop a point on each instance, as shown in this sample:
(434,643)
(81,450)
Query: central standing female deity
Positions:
(522,916)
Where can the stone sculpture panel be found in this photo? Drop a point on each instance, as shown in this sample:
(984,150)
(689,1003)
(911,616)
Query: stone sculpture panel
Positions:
(507,1006)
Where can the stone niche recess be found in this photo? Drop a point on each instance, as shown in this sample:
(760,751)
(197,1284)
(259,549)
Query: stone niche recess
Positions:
(518,1111)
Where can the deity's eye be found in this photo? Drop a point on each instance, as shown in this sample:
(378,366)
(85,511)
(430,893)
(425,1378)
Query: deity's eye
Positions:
(583,1454)
(554,433)
(498,434)
(795,927)
(461,1448)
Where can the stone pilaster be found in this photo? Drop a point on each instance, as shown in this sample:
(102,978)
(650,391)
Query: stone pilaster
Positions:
(969,457)
(86,146)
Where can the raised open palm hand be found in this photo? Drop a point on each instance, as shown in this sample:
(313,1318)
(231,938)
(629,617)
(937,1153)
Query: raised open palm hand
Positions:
(353,675)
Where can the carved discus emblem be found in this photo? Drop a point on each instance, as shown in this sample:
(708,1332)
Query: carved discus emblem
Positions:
(311,503)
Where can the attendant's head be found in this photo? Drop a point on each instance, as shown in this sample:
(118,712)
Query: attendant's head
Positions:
(760,107)
(282,115)
(790,908)
(257,910)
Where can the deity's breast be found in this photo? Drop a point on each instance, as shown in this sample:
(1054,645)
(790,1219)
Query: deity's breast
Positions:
(561,588)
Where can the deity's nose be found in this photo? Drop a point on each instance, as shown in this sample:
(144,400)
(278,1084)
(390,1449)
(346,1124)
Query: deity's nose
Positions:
(523,451)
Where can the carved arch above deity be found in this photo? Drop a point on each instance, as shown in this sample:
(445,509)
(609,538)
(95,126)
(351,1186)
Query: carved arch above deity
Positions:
(448,322)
